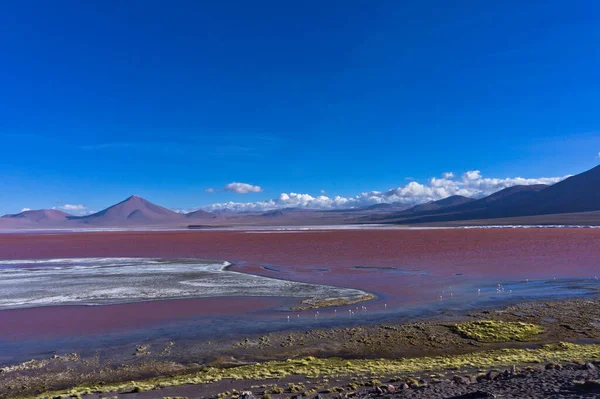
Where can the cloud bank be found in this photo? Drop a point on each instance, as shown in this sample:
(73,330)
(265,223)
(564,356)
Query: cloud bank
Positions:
(242,188)
(69,207)
(470,184)
(75,209)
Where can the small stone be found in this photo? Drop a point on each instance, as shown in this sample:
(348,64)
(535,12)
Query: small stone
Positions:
(403,386)
(391,388)
(378,391)
(247,395)
(459,380)
(553,366)
(590,366)
(474,395)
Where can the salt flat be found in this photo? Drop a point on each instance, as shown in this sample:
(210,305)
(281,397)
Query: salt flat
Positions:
(96,281)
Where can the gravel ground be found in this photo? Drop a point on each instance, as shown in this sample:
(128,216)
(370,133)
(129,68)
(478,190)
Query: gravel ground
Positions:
(569,382)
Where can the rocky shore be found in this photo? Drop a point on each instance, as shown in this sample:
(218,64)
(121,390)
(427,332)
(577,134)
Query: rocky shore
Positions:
(553,380)
(531,350)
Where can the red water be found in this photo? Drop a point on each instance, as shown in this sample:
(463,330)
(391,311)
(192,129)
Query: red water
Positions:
(450,259)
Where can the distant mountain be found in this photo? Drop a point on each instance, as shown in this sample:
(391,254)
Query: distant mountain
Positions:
(35,219)
(440,204)
(287,212)
(380,206)
(579,193)
(223,211)
(494,205)
(132,211)
(201,215)
(576,198)
(453,200)
(511,192)
(40,216)
(274,213)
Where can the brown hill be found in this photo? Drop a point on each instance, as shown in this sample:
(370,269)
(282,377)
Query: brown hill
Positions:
(132,211)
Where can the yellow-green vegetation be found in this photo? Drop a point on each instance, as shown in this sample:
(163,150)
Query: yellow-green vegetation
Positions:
(296,387)
(275,389)
(412,381)
(353,386)
(312,303)
(336,367)
(498,331)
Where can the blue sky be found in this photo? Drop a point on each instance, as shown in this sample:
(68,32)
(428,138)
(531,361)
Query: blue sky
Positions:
(103,99)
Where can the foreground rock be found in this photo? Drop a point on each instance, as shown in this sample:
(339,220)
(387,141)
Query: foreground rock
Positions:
(566,381)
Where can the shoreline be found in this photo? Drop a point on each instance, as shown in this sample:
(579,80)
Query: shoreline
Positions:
(426,340)
(291,228)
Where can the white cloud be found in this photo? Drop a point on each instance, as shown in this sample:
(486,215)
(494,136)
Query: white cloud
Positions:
(209,190)
(242,188)
(447,175)
(78,210)
(471,175)
(472,184)
(70,207)
(322,191)
(25,209)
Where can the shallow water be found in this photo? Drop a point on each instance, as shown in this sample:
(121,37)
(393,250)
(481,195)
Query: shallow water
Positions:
(415,274)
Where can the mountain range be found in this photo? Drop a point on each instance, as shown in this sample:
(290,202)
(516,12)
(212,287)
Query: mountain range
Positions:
(575,200)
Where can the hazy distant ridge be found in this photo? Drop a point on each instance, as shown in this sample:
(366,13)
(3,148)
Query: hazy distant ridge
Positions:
(577,196)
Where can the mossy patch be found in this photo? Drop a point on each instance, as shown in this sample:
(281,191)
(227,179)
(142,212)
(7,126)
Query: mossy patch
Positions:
(378,368)
(498,331)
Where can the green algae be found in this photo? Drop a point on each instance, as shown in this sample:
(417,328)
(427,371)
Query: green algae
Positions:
(498,331)
(335,367)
